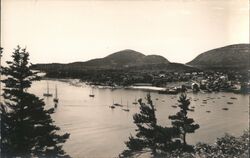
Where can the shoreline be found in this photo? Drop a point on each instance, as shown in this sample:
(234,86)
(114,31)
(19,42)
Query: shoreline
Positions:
(79,83)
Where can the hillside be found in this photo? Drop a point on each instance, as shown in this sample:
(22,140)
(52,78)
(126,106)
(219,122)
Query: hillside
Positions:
(233,56)
(118,59)
(125,59)
(154,59)
(122,59)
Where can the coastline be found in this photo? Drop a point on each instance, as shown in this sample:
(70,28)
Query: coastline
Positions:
(169,86)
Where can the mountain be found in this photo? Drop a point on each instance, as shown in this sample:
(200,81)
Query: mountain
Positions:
(233,56)
(154,59)
(118,59)
(121,59)
(125,59)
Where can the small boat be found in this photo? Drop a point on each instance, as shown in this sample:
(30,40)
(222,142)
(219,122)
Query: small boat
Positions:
(168,91)
(135,102)
(127,110)
(56,100)
(91,93)
(121,102)
(117,104)
(113,105)
(47,94)
(233,98)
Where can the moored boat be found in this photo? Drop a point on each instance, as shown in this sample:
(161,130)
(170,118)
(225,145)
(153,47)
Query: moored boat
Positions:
(56,99)
(169,91)
(47,94)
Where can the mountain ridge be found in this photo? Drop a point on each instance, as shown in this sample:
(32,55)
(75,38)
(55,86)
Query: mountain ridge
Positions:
(122,59)
(126,58)
(236,56)
(230,56)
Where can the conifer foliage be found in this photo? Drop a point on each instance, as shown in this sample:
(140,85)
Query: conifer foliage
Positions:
(159,140)
(27,129)
(150,136)
(181,121)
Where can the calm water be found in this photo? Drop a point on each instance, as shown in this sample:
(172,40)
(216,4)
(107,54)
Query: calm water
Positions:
(99,131)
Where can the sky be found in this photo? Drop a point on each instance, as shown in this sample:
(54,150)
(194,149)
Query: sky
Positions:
(63,31)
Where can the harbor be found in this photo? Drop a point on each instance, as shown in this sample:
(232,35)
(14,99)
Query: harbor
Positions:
(92,123)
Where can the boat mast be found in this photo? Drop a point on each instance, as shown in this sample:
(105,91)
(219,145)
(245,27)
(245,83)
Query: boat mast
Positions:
(47,87)
(91,91)
(56,92)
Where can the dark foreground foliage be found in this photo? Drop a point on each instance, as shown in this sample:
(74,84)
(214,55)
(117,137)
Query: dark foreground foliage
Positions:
(227,146)
(149,134)
(27,129)
(156,139)
(153,140)
(181,121)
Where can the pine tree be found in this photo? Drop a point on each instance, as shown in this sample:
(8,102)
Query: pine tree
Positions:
(149,135)
(27,129)
(181,120)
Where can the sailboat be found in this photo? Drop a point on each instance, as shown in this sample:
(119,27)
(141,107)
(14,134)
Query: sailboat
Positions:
(56,100)
(91,94)
(117,104)
(127,110)
(135,102)
(47,94)
(113,105)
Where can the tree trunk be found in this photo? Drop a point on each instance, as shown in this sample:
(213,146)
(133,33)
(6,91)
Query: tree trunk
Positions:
(184,139)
